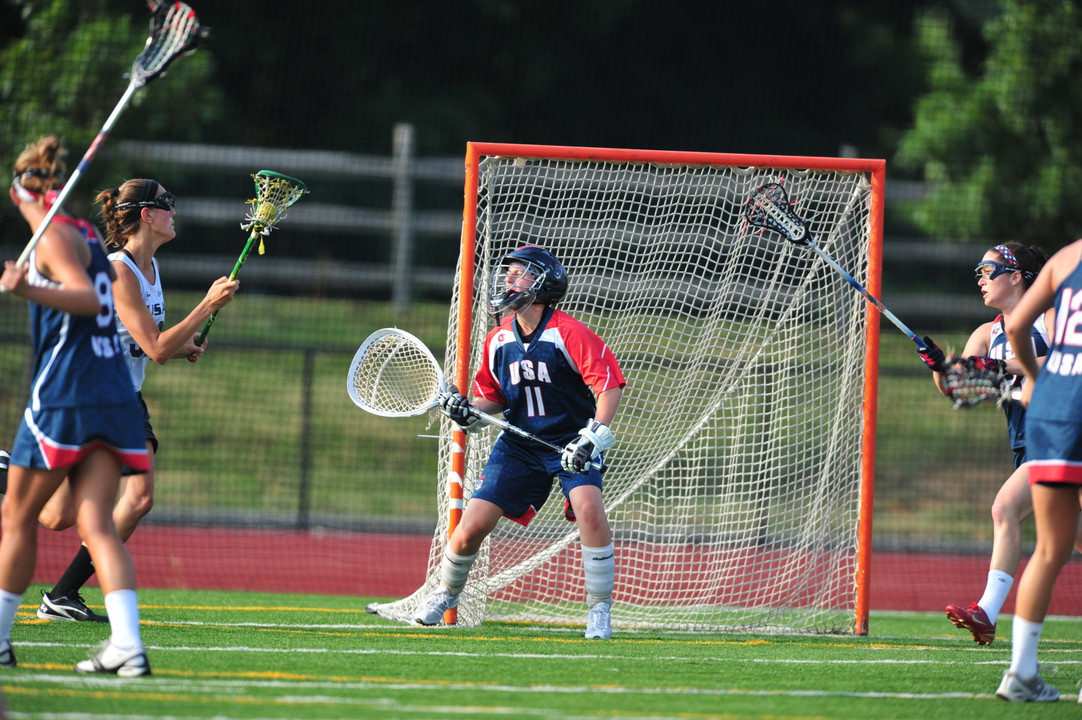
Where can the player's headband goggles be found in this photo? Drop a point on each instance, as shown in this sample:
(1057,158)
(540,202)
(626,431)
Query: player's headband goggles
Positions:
(990,269)
(166,201)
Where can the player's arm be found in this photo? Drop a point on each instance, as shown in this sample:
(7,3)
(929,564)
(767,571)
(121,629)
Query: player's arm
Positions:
(62,256)
(596,437)
(1013,366)
(607,403)
(1038,298)
(160,346)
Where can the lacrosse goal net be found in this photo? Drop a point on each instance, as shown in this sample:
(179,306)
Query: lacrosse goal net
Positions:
(740,488)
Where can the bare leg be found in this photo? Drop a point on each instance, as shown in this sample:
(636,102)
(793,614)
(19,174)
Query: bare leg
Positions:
(27,493)
(1057,513)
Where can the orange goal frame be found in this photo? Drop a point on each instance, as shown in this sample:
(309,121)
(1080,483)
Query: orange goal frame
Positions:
(877,170)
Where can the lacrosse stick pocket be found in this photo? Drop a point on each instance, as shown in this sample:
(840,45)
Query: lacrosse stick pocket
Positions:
(972,381)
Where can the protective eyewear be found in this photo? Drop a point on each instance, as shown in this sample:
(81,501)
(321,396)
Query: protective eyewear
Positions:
(990,269)
(166,201)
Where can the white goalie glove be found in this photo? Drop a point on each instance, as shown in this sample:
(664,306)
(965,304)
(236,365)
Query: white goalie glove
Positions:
(457,407)
(593,440)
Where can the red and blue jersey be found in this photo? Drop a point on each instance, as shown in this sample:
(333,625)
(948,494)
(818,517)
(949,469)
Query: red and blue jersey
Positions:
(1054,419)
(548,386)
(1000,349)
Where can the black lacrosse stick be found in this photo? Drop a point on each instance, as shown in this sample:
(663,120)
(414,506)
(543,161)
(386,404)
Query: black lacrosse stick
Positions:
(769,207)
(174,31)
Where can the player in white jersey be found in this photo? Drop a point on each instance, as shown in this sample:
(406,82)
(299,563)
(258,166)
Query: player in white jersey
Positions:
(1054,431)
(1004,274)
(82,420)
(555,378)
(138,218)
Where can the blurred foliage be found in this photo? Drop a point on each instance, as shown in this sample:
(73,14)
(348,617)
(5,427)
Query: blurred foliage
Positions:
(65,65)
(1001,146)
(976,97)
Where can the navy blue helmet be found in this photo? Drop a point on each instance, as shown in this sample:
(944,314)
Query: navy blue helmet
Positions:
(548,286)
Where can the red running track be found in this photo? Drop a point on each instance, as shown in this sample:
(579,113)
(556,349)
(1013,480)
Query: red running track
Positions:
(392,565)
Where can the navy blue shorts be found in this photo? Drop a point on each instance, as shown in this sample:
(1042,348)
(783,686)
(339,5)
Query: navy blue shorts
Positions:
(1054,451)
(61,437)
(518,478)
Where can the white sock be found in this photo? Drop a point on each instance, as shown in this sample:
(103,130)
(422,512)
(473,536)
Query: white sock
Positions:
(600,567)
(9,606)
(1024,638)
(454,569)
(123,610)
(995,593)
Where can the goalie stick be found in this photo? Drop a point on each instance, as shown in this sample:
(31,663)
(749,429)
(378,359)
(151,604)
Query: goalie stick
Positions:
(394,374)
(174,31)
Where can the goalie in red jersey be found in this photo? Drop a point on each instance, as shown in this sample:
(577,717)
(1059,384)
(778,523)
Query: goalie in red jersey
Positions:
(555,378)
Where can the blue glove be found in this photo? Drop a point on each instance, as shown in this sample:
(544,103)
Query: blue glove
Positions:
(932,356)
(987,364)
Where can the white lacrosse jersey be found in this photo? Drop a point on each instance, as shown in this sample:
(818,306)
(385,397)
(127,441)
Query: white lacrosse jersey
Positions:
(154,299)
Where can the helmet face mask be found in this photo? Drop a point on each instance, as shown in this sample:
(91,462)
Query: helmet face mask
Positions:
(527,275)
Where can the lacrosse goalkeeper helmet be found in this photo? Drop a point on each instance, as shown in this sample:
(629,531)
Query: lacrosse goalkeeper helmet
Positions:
(548,286)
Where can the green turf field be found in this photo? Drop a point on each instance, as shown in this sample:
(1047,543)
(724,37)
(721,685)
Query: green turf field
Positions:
(244,655)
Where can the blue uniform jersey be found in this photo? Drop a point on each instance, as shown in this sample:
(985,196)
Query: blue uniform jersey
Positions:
(1054,420)
(1000,349)
(81,395)
(549,385)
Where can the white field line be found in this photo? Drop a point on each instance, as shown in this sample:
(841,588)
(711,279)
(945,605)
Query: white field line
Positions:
(1071,655)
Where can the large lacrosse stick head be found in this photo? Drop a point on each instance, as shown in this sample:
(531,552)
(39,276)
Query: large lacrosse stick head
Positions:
(394,374)
(274,194)
(511,290)
(769,207)
(174,31)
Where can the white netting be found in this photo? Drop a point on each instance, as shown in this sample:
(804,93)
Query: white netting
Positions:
(275,193)
(394,375)
(733,490)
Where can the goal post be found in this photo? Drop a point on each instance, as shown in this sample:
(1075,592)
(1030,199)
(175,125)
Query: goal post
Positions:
(740,489)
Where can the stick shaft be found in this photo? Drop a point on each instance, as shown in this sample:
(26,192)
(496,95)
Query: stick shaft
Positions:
(870,298)
(503,424)
(232,276)
(70,184)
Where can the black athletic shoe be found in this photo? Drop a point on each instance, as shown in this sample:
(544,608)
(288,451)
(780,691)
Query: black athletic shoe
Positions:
(5,459)
(70,607)
(7,655)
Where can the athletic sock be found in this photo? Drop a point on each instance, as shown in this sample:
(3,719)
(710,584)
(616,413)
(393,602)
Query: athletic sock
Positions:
(995,593)
(79,571)
(122,606)
(9,606)
(454,569)
(599,565)
(1024,638)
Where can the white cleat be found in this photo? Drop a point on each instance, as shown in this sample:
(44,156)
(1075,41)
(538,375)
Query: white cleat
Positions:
(112,660)
(599,622)
(432,608)
(1015,689)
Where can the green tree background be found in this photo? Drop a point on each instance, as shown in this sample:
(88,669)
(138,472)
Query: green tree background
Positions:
(999,145)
